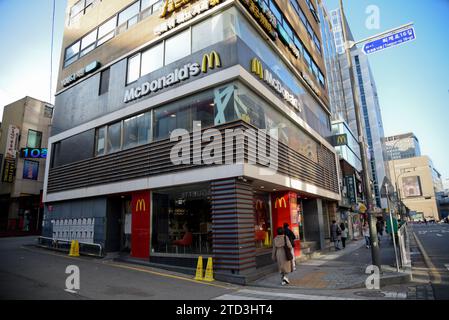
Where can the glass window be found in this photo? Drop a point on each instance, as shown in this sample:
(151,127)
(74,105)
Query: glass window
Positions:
(275,10)
(152,59)
(299,45)
(133,68)
(114,137)
(48,112)
(182,221)
(88,42)
(100,137)
(71,53)
(106,31)
(77,8)
(34,139)
(289,30)
(307,58)
(104,81)
(129,14)
(147,3)
(177,47)
(262,219)
(137,130)
(207,33)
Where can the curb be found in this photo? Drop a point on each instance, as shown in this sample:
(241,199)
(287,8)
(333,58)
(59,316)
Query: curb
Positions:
(430,266)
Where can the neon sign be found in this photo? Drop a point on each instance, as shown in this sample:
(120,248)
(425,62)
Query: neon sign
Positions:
(33,153)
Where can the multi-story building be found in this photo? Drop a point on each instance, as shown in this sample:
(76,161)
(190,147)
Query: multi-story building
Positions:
(136,77)
(369,103)
(402,146)
(23,143)
(417,183)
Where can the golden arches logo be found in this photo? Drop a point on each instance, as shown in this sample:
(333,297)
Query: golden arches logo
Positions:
(256,67)
(259,204)
(341,140)
(211,61)
(279,202)
(141,205)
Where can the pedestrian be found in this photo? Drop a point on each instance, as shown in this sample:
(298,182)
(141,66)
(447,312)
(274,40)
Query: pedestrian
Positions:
(281,249)
(335,235)
(380,229)
(344,234)
(425,221)
(367,235)
(291,236)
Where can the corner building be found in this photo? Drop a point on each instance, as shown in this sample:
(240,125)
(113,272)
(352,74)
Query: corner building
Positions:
(132,72)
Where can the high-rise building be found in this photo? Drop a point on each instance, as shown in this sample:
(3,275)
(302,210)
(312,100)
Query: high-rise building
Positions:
(402,146)
(23,146)
(133,167)
(370,108)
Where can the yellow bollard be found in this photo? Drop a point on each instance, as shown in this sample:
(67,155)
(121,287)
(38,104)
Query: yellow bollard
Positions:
(209,271)
(199,269)
(74,249)
(266,243)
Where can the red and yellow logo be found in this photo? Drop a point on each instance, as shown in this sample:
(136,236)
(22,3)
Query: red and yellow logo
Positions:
(141,205)
(280,202)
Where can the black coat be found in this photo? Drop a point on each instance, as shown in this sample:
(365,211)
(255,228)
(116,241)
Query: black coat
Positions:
(290,235)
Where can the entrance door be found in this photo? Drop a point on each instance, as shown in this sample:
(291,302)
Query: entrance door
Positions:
(140,233)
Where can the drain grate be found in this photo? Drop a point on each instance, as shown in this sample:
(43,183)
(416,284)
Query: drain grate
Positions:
(370,294)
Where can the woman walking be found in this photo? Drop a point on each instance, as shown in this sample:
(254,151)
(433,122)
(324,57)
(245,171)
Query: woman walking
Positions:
(344,234)
(367,235)
(282,255)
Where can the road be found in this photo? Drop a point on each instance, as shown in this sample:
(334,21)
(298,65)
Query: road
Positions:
(434,239)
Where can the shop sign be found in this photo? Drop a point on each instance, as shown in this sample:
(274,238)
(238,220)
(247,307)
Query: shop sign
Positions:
(33,153)
(12,141)
(339,140)
(209,61)
(280,203)
(350,186)
(263,16)
(267,76)
(81,73)
(183,16)
(9,170)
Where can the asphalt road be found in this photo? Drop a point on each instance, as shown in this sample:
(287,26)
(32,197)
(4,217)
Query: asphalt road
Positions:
(29,273)
(435,242)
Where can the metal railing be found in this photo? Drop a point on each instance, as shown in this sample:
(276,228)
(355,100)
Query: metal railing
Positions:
(91,249)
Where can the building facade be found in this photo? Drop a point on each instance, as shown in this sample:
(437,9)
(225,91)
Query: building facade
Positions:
(402,146)
(417,183)
(156,148)
(370,108)
(23,143)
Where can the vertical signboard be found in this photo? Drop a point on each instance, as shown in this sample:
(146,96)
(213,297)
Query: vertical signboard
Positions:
(12,140)
(9,170)
(140,225)
(351,188)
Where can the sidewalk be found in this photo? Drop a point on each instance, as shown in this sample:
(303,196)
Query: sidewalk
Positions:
(344,269)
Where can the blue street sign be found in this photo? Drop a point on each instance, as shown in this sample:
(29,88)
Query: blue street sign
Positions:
(390,41)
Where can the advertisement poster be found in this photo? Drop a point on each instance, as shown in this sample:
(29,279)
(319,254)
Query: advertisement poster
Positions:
(12,141)
(411,186)
(9,171)
(30,170)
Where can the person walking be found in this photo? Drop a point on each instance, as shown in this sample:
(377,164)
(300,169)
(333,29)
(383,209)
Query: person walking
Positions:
(367,235)
(282,255)
(344,234)
(291,236)
(335,235)
(380,229)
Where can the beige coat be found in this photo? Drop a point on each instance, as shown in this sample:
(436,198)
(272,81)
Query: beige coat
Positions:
(278,255)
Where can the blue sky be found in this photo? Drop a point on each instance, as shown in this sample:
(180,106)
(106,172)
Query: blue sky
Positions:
(412,79)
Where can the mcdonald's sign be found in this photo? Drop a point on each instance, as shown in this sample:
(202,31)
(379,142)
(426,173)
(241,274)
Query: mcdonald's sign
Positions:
(339,140)
(211,61)
(279,202)
(259,204)
(141,205)
(256,68)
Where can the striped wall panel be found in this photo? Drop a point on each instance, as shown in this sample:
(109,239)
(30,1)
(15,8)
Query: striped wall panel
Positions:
(233,240)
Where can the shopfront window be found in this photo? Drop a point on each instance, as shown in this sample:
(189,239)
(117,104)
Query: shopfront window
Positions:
(177,47)
(114,137)
(137,130)
(182,222)
(263,230)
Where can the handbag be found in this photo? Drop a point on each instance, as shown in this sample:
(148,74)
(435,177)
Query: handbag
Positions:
(288,251)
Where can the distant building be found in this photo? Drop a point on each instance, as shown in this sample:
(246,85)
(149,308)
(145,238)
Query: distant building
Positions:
(371,116)
(23,145)
(402,146)
(418,183)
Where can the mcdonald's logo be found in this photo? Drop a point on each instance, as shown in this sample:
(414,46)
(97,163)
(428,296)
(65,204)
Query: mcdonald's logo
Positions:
(141,205)
(211,61)
(279,202)
(340,140)
(259,204)
(256,67)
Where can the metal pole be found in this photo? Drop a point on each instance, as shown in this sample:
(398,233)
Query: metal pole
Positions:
(375,252)
(392,229)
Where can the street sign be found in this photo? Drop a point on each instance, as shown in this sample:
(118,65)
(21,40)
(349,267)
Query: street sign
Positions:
(339,140)
(392,40)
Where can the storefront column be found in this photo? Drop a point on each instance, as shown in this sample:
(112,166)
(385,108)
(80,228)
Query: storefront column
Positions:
(285,209)
(314,222)
(140,233)
(233,234)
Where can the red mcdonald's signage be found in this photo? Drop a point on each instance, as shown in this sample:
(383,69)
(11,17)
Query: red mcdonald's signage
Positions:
(140,226)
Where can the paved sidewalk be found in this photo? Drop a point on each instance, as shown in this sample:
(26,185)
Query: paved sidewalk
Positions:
(344,269)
